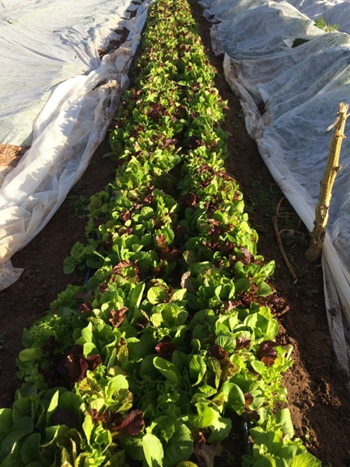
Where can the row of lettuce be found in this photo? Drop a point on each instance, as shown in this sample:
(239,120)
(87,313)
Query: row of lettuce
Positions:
(170,346)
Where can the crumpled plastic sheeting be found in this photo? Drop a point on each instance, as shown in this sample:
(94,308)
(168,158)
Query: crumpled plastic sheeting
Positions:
(300,90)
(9,274)
(333,12)
(66,133)
(43,43)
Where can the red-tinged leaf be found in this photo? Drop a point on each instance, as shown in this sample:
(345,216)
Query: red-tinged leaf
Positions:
(161,241)
(214,222)
(77,364)
(85,307)
(170,141)
(210,245)
(122,352)
(148,199)
(128,231)
(103,287)
(267,353)
(228,369)
(269,361)
(110,420)
(121,265)
(247,256)
(159,271)
(230,305)
(156,111)
(222,174)
(193,142)
(275,303)
(267,348)
(205,183)
(170,255)
(97,416)
(79,372)
(114,422)
(250,297)
(243,343)
(213,144)
(93,361)
(51,346)
(165,349)
(217,352)
(132,425)
(118,316)
(216,229)
(226,248)
(126,215)
(205,168)
(190,199)
(248,400)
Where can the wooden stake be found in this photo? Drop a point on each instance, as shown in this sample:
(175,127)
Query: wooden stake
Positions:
(332,168)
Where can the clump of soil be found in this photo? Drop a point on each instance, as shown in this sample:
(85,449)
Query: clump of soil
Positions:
(10,155)
(318,397)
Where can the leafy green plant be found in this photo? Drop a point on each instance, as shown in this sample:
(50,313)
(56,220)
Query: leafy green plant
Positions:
(322,24)
(79,205)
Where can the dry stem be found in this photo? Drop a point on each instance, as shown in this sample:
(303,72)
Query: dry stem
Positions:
(280,244)
(332,168)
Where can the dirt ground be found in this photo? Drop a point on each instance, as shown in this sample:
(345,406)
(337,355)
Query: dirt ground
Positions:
(10,155)
(318,398)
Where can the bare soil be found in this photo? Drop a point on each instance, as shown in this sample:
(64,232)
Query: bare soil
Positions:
(10,155)
(318,398)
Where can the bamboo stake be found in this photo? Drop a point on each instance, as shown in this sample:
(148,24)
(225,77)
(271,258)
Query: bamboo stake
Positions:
(332,168)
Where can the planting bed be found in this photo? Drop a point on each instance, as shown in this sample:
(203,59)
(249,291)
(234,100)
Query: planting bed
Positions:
(180,305)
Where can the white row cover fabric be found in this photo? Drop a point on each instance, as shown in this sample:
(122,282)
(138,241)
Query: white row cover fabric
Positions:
(300,89)
(46,42)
